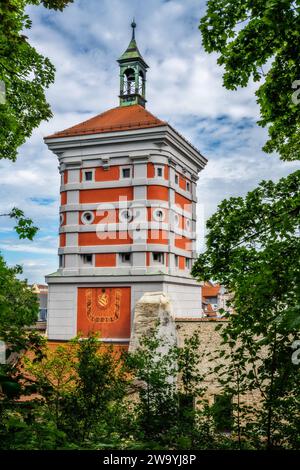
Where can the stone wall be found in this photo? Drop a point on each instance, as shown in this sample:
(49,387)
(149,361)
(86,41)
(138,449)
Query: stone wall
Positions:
(210,342)
(151,309)
(154,307)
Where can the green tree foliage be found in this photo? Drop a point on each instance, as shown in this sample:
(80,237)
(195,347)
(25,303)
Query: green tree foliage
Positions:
(253,248)
(155,372)
(250,35)
(169,385)
(92,397)
(55,377)
(83,384)
(253,243)
(25,73)
(18,311)
(24,226)
(100,382)
(18,304)
(257,373)
(25,426)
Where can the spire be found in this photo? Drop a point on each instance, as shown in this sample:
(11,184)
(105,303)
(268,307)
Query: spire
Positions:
(133,25)
(132,51)
(133,70)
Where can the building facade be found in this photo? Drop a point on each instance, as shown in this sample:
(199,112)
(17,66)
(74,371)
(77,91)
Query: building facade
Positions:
(127,215)
(215,300)
(42,293)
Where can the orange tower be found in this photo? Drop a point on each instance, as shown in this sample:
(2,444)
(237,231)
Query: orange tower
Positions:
(127,215)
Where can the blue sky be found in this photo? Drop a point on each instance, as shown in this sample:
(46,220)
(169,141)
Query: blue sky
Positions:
(184,87)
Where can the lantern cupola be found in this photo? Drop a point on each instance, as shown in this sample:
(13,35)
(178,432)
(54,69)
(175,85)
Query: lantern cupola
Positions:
(133,71)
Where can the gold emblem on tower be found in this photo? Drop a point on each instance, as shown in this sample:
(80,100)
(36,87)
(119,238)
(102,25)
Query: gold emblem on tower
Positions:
(103,304)
(103,300)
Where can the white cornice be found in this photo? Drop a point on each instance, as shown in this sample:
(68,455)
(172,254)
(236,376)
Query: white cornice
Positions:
(162,136)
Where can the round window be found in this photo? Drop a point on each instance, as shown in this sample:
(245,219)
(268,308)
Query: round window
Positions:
(87,217)
(188,224)
(176,220)
(126,215)
(159,215)
(61,219)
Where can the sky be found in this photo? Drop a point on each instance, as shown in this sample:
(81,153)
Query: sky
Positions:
(184,87)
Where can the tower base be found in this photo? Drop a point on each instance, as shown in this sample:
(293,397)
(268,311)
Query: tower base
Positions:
(106,304)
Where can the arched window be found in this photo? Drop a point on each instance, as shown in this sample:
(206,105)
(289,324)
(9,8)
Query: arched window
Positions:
(129,82)
(141,83)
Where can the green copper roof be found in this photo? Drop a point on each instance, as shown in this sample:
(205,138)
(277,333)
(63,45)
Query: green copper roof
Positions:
(132,52)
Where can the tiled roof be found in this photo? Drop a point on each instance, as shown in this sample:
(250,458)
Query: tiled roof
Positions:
(210,290)
(122,118)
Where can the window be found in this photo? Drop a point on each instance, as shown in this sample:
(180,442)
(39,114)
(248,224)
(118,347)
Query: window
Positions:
(176,261)
(188,186)
(176,220)
(126,215)
(188,224)
(187,263)
(61,219)
(159,257)
(141,83)
(158,215)
(129,82)
(159,172)
(61,261)
(212,300)
(88,176)
(42,314)
(126,172)
(87,217)
(87,259)
(176,179)
(186,404)
(125,257)
(222,412)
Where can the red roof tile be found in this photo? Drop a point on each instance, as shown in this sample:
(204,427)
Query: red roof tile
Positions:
(116,119)
(210,290)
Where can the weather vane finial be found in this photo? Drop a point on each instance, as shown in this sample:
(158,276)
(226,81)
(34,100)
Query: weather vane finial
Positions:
(133,25)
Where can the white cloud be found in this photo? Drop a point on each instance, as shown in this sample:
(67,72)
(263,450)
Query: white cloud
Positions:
(34,271)
(27,248)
